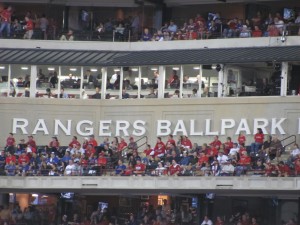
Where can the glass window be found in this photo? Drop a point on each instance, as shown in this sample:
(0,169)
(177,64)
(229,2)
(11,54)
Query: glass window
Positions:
(172,84)
(47,81)
(113,82)
(149,81)
(4,90)
(70,80)
(20,80)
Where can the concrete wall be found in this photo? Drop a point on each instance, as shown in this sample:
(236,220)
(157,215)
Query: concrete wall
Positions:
(200,119)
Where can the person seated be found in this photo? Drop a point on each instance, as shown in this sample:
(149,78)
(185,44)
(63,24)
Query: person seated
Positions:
(283,169)
(125,95)
(275,149)
(120,168)
(63,94)
(227,168)
(243,164)
(245,32)
(146,36)
(68,37)
(174,169)
(231,31)
(194,94)
(176,94)
(152,94)
(97,95)
(256,32)
(139,168)
(258,141)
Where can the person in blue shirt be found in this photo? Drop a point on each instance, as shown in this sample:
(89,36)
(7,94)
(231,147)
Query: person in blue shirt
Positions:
(120,168)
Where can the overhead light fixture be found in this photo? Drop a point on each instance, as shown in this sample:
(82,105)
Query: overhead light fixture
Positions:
(2,67)
(51,68)
(196,68)
(24,68)
(134,69)
(34,195)
(154,68)
(216,67)
(117,70)
(94,70)
(73,69)
(175,68)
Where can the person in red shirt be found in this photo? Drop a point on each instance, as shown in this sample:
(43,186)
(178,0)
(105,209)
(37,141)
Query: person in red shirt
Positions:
(10,158)
(90,151)
(10,143)
(185,142)
(297,167)
(243,164)
(216,143)
(283,170)
(54,144)
(23,158)
(174,169)
(101,163)
(256,32)
(74,142)
(160,150)
(170,140)
(241,139)
(228,145)
(202,159)
(31,141)
(92,141)
(270,169)
(219,221)
(5,21)
(139,168)
(29,28)
(122,144)
(258,141)
(148,150)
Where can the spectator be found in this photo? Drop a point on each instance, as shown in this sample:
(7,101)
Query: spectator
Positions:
(258,141)
(70,168)
(68,37)
(5,21)
(206,221)
(29,28)
(146,36)
(231,31)
(256,32)
(43,22)
(172,28)
(97,95)
(63,94)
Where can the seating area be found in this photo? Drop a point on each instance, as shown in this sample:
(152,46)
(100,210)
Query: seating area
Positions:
(181,158)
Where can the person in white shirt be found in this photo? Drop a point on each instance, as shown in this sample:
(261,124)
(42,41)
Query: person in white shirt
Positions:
(222,158)
(70,169)
(233,151)
(207,221)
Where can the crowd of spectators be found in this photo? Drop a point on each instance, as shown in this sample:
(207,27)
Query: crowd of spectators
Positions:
(116,157)
(202,26)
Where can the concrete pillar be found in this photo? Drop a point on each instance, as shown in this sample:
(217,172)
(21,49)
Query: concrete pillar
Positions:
(33,73)
(161,81)
(221,90)
(284,75)
(104,82)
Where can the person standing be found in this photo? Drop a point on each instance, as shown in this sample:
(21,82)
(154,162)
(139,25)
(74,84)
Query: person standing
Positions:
(6,20)
(29,28)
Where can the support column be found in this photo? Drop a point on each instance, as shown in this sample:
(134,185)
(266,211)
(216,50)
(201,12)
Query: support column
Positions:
(139,82)
(59,80)
(284,75)
(8,80)
(161,81)
(221,90)
(181,82)
(104,82)
(200,75)
(81,81)
(121,82)
(33,73)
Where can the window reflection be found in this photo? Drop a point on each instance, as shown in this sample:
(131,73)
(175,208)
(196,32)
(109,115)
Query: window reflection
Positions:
(19,83)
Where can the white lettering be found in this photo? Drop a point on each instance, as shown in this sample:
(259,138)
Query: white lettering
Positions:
(41,126)
(226,124)
(243,126)
(277,125)
(192,129)
(59,124)
(163,127)
(104,126)
(87,130)
(260,123)
(122,125)
(180,127)
(19,123)
(139,128)
(207,128)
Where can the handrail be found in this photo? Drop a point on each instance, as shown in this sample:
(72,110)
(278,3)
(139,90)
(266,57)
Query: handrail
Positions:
(291,136)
